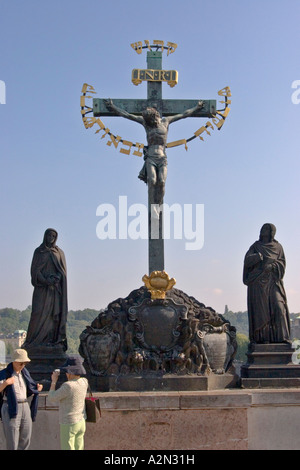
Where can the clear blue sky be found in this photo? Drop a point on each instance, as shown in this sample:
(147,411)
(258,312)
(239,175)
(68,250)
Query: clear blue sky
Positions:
(55,173)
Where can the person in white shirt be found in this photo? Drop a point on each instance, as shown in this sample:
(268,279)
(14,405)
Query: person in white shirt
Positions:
(71,398)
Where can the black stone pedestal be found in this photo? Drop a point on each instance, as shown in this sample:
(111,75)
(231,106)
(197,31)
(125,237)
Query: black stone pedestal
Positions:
(173,344)
(164,382)
(270,366)
(43,361)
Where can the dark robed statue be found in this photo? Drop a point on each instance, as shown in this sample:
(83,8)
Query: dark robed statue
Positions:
(47,326)
(264,268)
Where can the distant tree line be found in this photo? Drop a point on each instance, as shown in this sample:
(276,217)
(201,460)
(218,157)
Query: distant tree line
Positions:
(240,321)
(13,319)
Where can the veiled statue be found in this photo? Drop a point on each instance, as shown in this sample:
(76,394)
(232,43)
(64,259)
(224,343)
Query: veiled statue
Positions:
(47,326)
(264,268)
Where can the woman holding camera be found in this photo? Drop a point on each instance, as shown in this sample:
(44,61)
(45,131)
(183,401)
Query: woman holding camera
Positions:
(71,398)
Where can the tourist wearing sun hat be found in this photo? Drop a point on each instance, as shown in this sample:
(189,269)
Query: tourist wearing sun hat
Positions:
(71,398)
(17,385)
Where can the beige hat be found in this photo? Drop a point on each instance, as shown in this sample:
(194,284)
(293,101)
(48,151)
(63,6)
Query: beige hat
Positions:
(20,355)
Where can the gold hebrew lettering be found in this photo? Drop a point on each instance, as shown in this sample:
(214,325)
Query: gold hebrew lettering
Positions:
(100,124)
(126,151)
(89,122)
(225,91)
(114,140)
(137,46)
(225,102)
(175,143)
(106,131)
(139,151)
(86,88)
(159,43)
(171,47)
(225,113)
(201,130)
(218,122)
(86,110)
(147,44)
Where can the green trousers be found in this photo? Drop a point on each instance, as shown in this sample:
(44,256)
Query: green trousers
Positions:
(72,436)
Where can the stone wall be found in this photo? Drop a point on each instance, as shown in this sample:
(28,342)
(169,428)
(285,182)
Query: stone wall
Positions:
(214,420)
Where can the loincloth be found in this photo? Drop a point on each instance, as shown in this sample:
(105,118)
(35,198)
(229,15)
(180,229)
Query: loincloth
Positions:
(156,161)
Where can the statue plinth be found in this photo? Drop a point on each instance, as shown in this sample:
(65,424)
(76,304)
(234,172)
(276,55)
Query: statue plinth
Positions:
(142,343)
(164,382)
(270,365)
(44,359)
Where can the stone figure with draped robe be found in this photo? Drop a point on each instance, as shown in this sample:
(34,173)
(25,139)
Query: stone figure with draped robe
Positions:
(47,326)
(264,268)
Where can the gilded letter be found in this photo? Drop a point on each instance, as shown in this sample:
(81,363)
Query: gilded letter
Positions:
(135,77)
(159,43)
(219,123)
(87,89)
(203,129)
(106,131)
(225,91)
(114,140)
(138,152)
(82,101)
(100,124)
(226,112)
(225,102)
(88,121)
(126,151)
(86,110)
(147,44)
(171,47)
(137,46)
(175,143)
(149,74)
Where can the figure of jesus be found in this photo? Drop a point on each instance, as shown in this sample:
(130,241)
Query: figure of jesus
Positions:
(154,171)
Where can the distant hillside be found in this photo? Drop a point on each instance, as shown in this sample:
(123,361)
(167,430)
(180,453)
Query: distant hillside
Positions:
(13,319)
(239,320)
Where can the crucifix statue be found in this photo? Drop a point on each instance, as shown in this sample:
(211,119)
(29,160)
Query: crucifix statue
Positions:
(154,171)
(165,336)
(155,114)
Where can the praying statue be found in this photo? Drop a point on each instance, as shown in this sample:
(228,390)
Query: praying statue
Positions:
(264,268)
(47,326)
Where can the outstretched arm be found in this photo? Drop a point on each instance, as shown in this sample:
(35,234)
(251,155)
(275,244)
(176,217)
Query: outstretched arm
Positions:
(186,113)
(121,112)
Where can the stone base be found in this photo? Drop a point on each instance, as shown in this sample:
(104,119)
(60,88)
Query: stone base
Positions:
(44,359)
(167,382)
(270,383)
(270,366)
(142,344)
